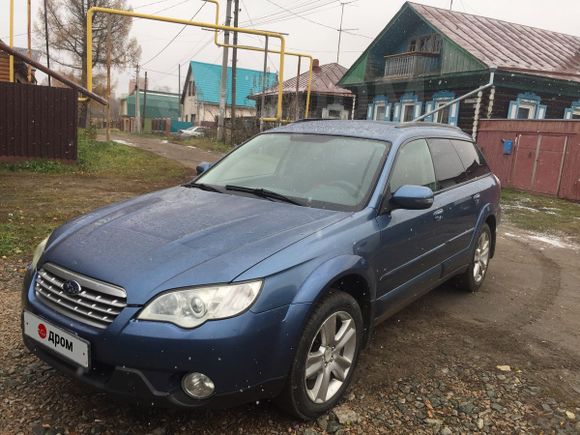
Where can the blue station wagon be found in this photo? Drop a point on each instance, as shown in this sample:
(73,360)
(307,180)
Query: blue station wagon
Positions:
(264,277)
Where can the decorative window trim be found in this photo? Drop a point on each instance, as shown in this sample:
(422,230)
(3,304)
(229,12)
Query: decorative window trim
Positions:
(407,99)
(443,97)
(380,101)
(530,101)
(575,106)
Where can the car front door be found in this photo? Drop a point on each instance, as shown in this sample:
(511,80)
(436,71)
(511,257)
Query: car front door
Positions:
(407,259)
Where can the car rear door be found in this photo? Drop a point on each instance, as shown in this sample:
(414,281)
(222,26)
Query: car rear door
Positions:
(457,196)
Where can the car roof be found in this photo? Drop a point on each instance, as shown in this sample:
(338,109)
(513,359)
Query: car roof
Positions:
(377,130)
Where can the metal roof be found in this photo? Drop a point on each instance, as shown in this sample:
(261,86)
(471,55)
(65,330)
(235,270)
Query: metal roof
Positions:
(324,81)
(366,129)
(509,46)
(207,78)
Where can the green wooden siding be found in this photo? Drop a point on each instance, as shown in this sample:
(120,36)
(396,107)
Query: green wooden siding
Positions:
(454,59)
(357,73)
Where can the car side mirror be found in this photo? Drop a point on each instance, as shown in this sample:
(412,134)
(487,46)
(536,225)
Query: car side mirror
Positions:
(412,197)
(202,167)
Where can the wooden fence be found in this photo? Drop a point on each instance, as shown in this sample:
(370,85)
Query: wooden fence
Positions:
(37,122)
(544,156)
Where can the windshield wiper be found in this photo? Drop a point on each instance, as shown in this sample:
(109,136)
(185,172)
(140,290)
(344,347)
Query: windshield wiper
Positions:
(264,193)
(203,186)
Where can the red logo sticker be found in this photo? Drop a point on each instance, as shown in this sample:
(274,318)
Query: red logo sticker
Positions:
(42,331)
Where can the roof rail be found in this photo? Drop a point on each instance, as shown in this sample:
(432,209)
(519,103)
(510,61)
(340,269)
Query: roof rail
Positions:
(310,119)
(426,124)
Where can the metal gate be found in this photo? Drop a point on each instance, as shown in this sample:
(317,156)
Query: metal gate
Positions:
(545,157)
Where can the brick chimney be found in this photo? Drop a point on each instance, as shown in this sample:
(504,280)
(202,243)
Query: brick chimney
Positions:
(316,66)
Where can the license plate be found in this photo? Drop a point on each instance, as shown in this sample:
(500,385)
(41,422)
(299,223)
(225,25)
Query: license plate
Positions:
(57,340)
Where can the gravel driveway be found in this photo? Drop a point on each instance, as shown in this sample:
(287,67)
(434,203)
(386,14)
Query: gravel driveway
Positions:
(506,359)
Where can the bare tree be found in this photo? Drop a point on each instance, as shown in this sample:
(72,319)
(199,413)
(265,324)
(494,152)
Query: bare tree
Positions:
(67,22)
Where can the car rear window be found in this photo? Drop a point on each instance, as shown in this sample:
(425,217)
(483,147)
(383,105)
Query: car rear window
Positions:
(448,167)
(473,162)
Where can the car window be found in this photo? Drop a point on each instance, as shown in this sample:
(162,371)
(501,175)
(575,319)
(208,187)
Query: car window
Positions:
(471,158)
(448,167)
(321,171)
(413,166)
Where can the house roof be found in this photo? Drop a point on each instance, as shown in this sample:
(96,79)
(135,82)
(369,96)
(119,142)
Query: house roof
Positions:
(159,104)
(324,81)
(509,46)
(207,79)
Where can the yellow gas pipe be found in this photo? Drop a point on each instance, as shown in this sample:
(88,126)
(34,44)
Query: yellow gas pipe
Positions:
(94,10)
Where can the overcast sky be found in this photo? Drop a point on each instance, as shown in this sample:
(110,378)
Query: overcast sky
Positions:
(314,32)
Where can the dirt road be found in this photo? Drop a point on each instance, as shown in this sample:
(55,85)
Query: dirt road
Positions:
(187,155)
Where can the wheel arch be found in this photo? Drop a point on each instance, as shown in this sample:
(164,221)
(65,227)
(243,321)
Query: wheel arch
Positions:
(347,273)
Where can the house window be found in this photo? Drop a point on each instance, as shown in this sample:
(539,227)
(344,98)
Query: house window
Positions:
(408,112)
(407,109)
(526,106)
(426,44)
(381,109)
(449,114)
(573,112)
(526,111)
(442,116)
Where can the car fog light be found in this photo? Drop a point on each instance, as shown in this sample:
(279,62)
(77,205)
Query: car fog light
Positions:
(197,385)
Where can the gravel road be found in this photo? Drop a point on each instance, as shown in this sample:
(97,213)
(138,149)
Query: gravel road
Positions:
(506,359)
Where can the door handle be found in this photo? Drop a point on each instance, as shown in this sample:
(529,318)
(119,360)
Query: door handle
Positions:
(476,198)
(438,214)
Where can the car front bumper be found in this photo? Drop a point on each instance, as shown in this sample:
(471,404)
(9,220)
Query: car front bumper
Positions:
(247,356)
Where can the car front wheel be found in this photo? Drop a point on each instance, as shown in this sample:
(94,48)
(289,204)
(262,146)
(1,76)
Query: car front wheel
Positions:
(325,358)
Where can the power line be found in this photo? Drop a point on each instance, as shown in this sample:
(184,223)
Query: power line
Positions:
(175,37)
(316,22)
(283,13)
(255,37)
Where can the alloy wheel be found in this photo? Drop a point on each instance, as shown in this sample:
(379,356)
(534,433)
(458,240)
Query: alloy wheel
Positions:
(481,257)
(330,357)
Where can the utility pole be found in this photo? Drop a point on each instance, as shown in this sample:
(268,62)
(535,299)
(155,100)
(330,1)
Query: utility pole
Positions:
(234,69)
(46,37)
(179,88)
(29,76)
(137,102)
(145,102)
(450,5)
(224,77)
(340,29)
(109,79)
(263,98)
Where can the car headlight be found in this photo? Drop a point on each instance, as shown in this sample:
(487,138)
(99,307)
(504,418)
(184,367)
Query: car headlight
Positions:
(189,308)
(38,253)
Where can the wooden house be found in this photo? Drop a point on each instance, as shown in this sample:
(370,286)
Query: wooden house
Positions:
(427,56)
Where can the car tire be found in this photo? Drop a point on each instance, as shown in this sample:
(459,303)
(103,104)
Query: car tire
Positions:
(331,359)
(472,279)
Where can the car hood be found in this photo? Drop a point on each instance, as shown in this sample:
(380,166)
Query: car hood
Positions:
(180,237)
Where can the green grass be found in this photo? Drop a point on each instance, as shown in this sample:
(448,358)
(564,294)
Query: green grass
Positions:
(36,196)
(539,213)
(103,158)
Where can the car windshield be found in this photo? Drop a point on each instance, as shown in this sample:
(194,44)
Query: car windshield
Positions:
(320,171)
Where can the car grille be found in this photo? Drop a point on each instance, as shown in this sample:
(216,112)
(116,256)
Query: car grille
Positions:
(97,303)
